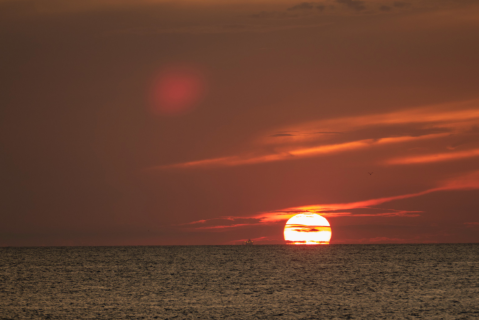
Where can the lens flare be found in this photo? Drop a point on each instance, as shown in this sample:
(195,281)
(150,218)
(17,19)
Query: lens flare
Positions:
(307,228)
(177,90)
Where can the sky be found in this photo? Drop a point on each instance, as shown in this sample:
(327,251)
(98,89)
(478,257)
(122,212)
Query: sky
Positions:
(193,122)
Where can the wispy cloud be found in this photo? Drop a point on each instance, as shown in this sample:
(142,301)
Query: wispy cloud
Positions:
(472,224)
(387,213)
(195,222)
(364,132)
(437,157)
(226,226)
(302,6)
(291,154)
(353,4)
(468,181)
(221,223)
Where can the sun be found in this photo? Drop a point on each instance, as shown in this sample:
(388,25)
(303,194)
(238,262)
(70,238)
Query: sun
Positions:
(307,228)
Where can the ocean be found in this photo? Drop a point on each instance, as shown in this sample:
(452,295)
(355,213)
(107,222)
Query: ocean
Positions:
(433,281)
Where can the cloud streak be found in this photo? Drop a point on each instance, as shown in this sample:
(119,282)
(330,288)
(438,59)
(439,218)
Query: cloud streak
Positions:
(315,139)
(438,157)
(353,4)
(295,153)
(302,6)
(466,182)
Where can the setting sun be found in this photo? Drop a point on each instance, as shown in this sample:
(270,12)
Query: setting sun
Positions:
(307,228)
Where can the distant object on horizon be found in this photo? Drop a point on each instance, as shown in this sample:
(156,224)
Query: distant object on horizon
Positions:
(249,242)
(371,173)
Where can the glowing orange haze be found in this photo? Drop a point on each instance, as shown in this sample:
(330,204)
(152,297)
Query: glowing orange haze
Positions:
(176,90)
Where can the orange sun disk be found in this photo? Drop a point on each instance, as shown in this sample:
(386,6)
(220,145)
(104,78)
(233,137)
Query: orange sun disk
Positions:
(307,228)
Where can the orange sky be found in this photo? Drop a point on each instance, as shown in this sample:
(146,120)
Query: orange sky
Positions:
(211,122)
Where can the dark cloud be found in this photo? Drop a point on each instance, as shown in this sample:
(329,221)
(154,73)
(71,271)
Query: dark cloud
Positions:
(385,8)
(221,223)
(302,6)
(304,228)
(321,7)
(462,142)
(400,4)
(328,132)
(383,131)
(468,137)
(385,212)
(474,129)
(283,135)
(262,14)
(353,4)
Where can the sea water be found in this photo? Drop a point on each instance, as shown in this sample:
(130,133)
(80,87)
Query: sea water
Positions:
(241,282)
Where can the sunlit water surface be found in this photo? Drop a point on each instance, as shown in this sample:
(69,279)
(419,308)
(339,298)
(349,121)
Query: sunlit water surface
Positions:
(241,282)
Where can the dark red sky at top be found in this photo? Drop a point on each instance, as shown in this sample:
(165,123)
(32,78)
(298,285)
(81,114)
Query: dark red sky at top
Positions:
(205,122)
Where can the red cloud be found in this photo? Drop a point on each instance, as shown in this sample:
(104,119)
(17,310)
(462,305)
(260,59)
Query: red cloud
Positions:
(468,181)
(315,139)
